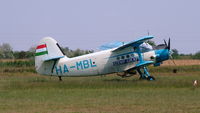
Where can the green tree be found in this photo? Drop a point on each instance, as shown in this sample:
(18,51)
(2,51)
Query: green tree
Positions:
(6,51)
(73,53)
(20,54)
(175,53)
(1,53)
(30,54)
(25,54)
(196,55)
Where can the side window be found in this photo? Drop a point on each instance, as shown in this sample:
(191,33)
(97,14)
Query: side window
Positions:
(127,56)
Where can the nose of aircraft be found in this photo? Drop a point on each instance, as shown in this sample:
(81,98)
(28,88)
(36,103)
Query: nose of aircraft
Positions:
(162,55)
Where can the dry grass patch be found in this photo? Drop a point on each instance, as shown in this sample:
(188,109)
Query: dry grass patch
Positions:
(181,62)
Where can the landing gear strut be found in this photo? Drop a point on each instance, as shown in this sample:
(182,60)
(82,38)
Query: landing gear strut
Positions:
(60,79)
(144,74)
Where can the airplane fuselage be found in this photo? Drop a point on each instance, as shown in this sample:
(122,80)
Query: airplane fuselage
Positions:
(127,58)
(98,63)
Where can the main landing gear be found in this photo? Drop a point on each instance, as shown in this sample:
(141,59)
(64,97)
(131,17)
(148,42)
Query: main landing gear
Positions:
(144,74)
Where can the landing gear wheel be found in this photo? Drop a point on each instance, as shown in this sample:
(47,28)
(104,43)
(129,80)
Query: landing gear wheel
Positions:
(150,78)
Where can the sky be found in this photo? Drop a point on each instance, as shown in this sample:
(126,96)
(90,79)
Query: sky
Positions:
(87,24)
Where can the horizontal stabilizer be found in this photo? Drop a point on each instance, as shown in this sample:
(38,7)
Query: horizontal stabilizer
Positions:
(55,58)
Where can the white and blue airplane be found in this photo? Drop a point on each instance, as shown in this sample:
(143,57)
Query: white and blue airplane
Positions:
(123,58)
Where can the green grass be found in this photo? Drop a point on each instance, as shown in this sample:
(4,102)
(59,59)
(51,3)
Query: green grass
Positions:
(167,69)
(31,93)
(13,66)
(16,63)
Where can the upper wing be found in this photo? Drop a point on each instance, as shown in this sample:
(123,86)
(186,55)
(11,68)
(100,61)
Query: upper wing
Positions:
(111,45)
(135,43)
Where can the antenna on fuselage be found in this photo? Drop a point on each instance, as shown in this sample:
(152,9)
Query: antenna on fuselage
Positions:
(148,33)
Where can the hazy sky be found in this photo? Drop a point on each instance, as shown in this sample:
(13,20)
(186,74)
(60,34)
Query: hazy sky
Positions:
(87,24)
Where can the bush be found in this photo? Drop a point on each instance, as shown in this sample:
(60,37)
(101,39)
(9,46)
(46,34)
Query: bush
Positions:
(196,55)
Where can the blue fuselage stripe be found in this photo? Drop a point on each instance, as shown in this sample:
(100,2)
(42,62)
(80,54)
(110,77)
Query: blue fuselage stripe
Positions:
(72,66)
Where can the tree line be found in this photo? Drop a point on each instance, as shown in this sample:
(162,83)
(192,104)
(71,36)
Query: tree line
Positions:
(177,55)
(6,52)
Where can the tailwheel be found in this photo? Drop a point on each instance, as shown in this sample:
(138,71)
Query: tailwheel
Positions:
(60,79)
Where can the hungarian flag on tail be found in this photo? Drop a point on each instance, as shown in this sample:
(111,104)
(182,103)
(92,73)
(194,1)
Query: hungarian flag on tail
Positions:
(41,50)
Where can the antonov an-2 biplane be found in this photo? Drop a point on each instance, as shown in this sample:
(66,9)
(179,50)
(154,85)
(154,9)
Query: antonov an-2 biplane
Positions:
(123,58)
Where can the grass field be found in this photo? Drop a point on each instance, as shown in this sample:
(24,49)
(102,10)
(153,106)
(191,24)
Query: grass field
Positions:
(31,93)
(23,91)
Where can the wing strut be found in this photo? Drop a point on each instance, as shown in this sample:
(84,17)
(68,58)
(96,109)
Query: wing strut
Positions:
(142,66)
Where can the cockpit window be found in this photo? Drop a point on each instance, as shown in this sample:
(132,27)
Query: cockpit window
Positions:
(145,47)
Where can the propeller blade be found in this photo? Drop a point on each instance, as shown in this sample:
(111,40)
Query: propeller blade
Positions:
(172,59)
(169,44)
(165,43)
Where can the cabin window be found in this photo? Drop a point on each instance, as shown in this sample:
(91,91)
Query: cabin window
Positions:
(118,58)
(127,56)
(122,57)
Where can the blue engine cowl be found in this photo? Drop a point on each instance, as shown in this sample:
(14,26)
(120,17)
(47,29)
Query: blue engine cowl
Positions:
(162,55)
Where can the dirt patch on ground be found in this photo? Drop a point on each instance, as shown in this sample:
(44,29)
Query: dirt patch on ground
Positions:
(181,62)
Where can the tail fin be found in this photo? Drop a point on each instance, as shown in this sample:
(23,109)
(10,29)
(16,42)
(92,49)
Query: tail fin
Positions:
(46,53)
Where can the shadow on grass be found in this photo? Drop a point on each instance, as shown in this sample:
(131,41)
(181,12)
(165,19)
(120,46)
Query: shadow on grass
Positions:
(123,80)
(116,80)
(38,80)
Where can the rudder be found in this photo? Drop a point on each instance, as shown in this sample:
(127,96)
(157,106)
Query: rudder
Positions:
(47,51)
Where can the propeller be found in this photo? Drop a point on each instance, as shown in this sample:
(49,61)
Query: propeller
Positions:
(172,59)
(167,45)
